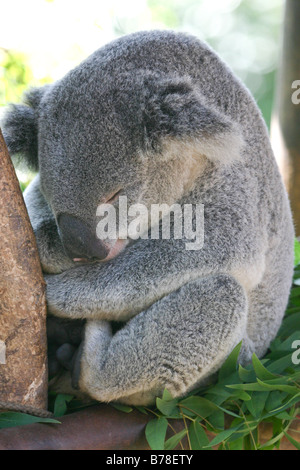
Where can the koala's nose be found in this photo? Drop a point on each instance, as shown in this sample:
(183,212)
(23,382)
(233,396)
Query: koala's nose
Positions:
(79,240)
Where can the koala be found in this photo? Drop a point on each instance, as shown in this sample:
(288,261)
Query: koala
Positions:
(159,118)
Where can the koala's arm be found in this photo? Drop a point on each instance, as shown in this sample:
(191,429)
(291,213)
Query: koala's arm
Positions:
(52,255)
(126,285)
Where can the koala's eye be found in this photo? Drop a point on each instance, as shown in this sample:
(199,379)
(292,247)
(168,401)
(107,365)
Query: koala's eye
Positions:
(113,197)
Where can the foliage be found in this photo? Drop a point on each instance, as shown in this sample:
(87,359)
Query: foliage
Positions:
(11,419)
(15,75)
(232,408)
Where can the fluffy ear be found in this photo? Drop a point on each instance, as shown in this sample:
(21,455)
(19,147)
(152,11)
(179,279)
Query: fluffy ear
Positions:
(20,127)
(174,108)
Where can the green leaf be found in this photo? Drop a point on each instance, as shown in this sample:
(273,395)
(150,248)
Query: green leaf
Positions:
(238,444)
(167,395)
(278,366)
(257,403)
(292,440)
(11,419)
(260,370)
(295,292)
(198,406)
(246,375)
(230,413)
(230,365)
(241,395)
(263,386)
(290,324)
(168,408)
(217,420)
(292,401)
(275,440)
(284,416)
(168,405)
(222,436)
(60,404)
(287,343)
(284,379)
(141,409)
(171,443)
(120,407)
(197,436)
(275,400)
(296,252)
(282,388)
(252,387)
(156,433)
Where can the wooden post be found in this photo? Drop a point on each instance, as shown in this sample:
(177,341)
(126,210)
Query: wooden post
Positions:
(286,122)
(23,344)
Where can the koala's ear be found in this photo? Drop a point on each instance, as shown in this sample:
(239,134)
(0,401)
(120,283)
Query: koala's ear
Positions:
(20,128)
(174,108)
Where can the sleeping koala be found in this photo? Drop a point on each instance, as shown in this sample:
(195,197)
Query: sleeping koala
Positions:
(159,118)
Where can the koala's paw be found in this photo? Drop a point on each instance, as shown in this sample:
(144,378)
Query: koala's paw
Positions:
(64,345)
(52,255)
(56,264)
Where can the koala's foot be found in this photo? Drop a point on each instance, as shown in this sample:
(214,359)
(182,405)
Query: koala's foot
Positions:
(64,339)
(176,344)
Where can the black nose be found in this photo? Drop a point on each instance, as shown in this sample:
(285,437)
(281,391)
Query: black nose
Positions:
(79,240)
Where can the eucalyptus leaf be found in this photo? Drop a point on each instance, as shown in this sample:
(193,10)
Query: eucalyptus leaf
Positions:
(167,405)
(230,365)
(237,444)
(296,252)
(60,404)
(198,406)
(121,407)
(292,440)
(168,408)
(173,441)
(261,372)
(222,436)
(246,375)
(156,432)
(257,403)
(11,419)
(197,436)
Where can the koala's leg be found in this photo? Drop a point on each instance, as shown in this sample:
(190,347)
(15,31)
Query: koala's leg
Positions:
(267,304)
(175,344)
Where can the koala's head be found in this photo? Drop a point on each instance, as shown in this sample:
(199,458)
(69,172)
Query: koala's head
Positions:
(102,132)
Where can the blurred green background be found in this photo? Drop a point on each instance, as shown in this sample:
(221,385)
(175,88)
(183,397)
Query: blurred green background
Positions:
(40,40)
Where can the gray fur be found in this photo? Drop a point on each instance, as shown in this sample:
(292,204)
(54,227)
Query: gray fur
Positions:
(159,115)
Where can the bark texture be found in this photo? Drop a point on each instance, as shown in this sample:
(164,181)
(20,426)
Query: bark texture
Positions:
(23,345)
(287,113)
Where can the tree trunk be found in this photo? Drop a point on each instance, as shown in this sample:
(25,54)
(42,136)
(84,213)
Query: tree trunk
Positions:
(286,121)
(23,346)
